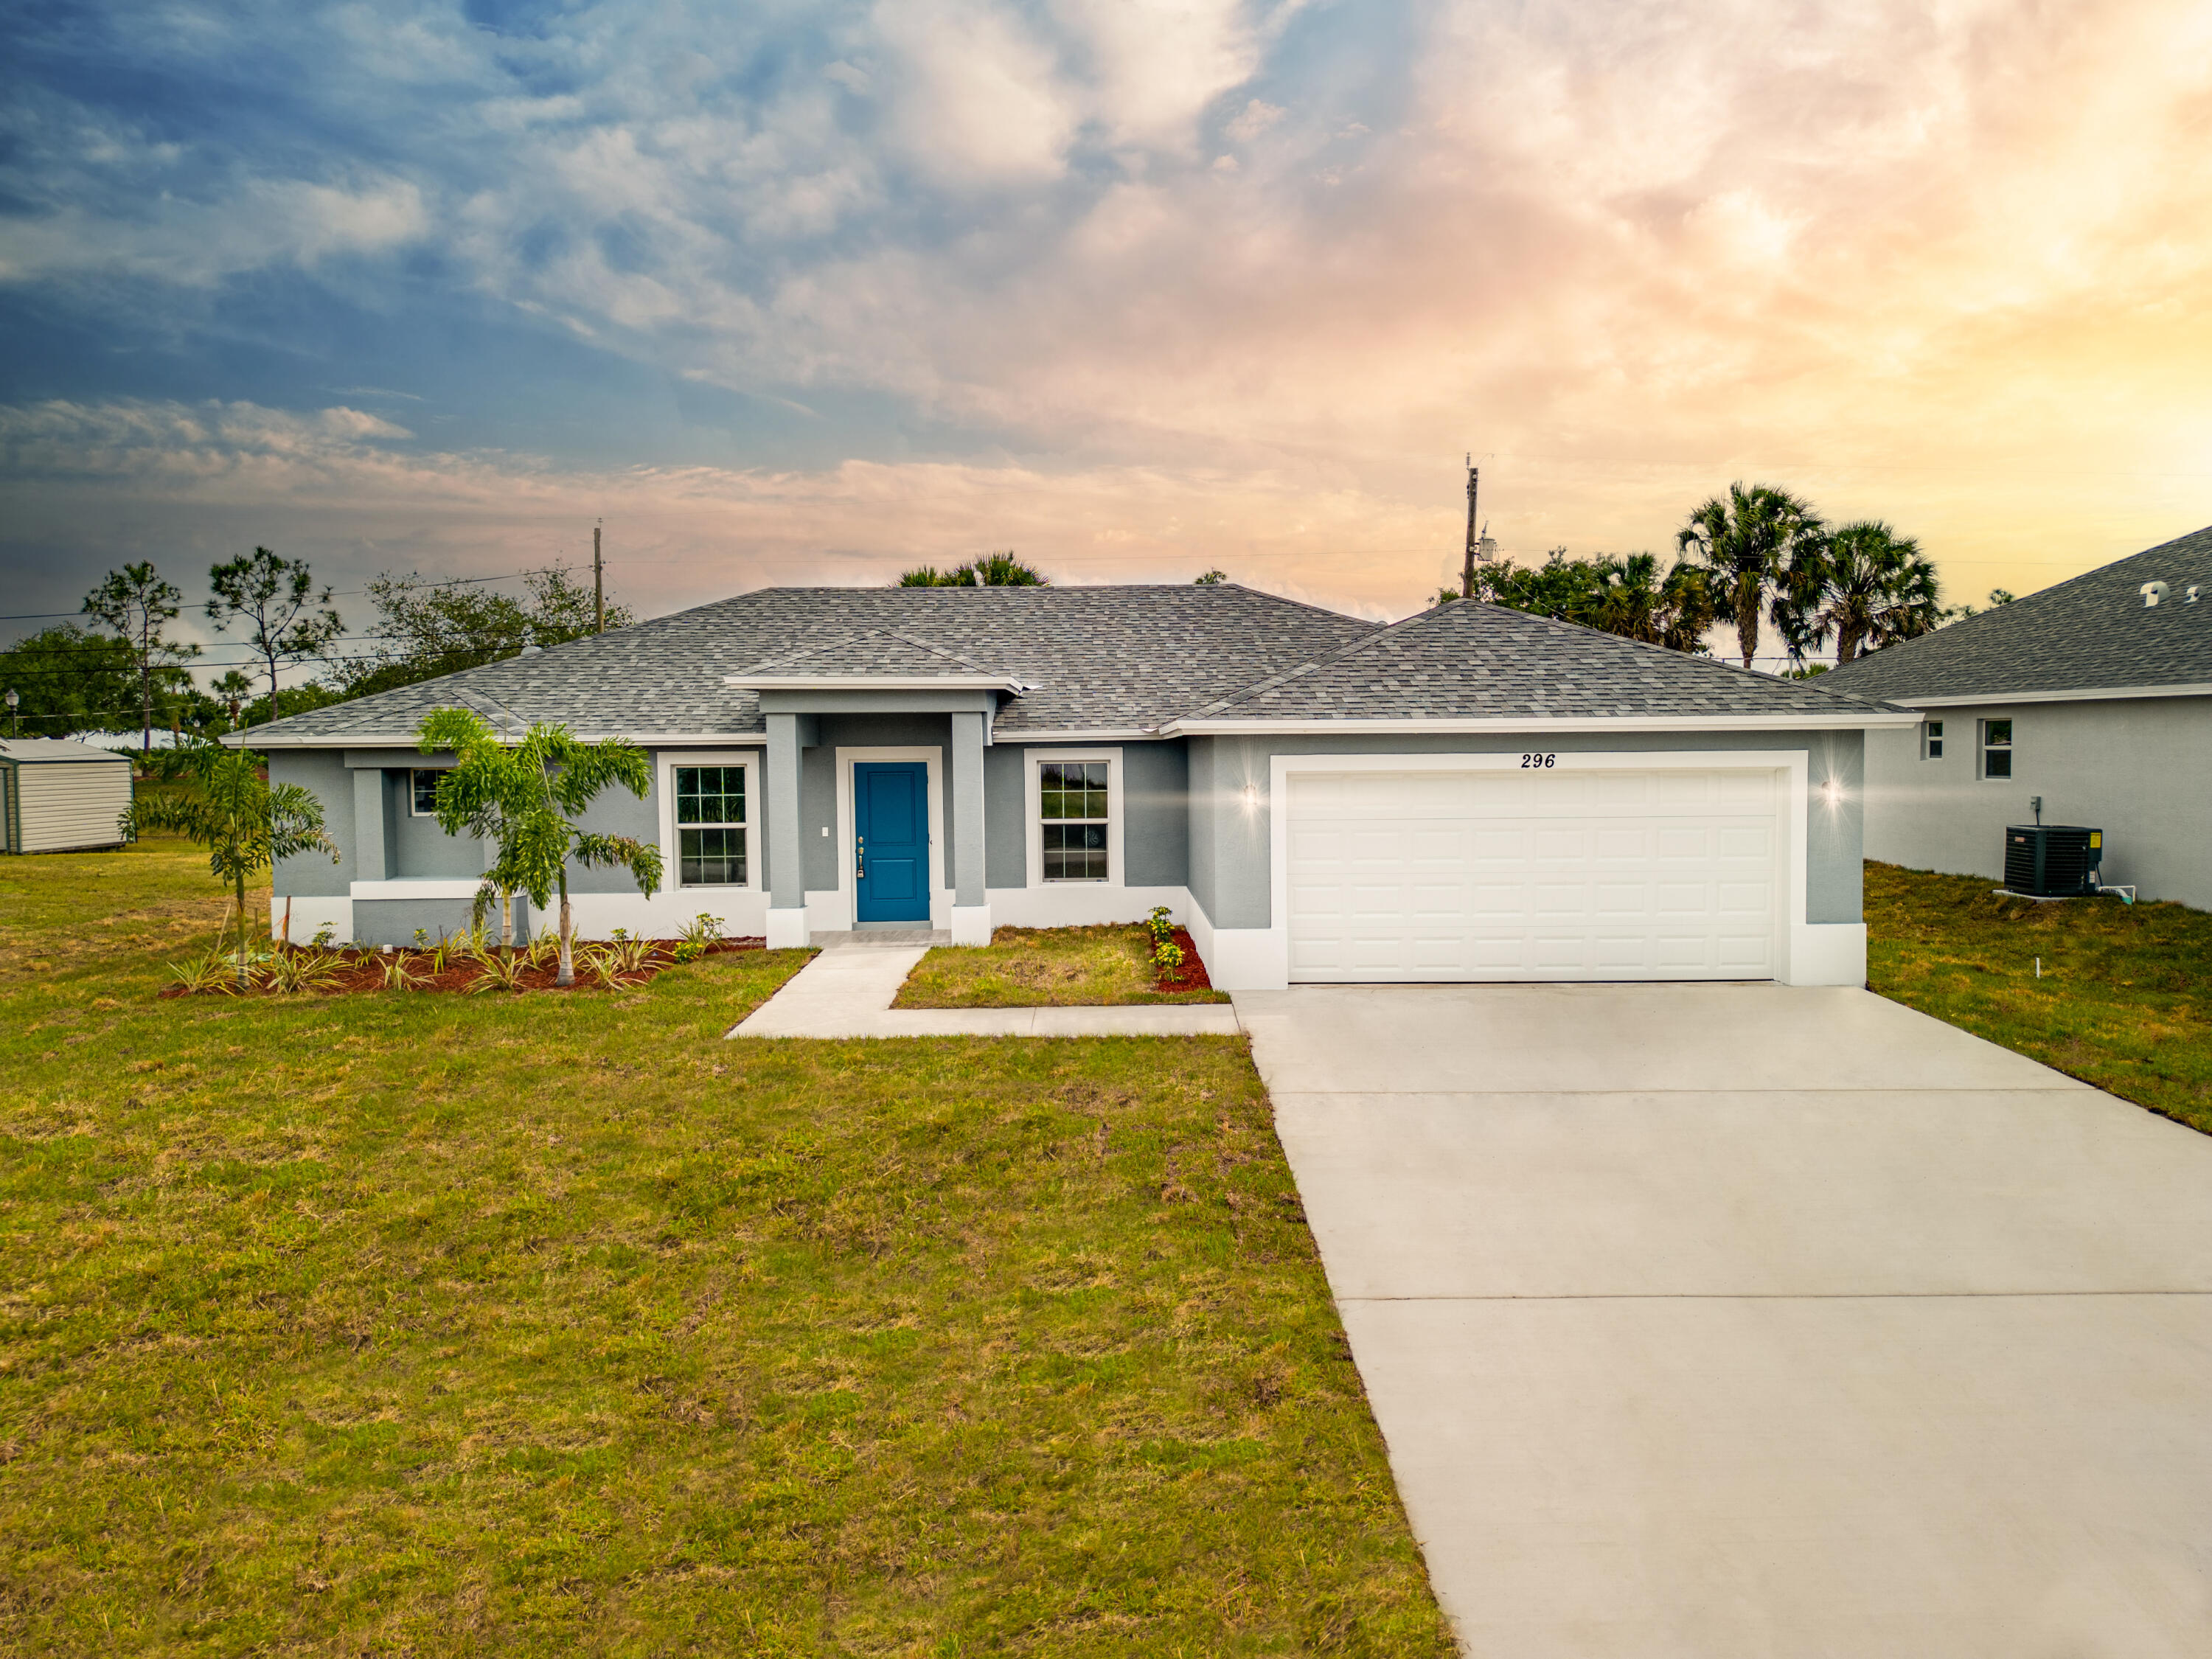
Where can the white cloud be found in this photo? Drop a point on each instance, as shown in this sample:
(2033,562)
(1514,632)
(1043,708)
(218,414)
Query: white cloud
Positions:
(1156,65)
(980,101)
(1255,119)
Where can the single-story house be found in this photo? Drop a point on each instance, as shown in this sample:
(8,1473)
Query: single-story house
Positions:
(1472,793)
(61,796)
(2095,694)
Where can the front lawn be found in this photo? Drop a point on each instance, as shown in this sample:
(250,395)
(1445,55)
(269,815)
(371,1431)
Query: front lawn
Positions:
(1043,967)
(428,1324)
(2124,1001)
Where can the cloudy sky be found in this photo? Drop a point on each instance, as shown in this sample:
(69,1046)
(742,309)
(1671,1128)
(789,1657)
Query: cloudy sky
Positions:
(807,293)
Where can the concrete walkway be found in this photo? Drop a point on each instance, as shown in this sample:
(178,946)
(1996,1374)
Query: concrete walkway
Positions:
(1722,1320)
(846,992)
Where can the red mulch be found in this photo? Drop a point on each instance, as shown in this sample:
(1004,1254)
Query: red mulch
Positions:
(363,970)
(1191,976)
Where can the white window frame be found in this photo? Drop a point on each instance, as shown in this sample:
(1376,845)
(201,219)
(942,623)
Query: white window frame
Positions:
(1983,747)
(413,808)
(671,843)
(1034,761)
(1931,740)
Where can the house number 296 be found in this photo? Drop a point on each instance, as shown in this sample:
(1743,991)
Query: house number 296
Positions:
(1537,762)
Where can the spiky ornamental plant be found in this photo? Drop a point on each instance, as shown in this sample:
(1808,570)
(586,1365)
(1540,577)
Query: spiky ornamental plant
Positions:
(246,823)
(524,797)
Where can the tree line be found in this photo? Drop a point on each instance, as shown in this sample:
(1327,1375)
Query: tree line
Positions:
(1756,556)
(124,663)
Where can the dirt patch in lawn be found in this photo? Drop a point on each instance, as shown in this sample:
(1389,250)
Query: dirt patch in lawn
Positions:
(1056,967)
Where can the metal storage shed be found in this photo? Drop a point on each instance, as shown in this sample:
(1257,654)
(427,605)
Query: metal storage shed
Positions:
(57,796)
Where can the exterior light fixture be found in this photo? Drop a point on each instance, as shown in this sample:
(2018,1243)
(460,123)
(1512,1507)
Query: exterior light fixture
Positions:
(1831,792)
(1251,796)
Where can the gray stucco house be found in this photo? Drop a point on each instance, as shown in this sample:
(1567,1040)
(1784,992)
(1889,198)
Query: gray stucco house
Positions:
(1472,793)
(2095,695)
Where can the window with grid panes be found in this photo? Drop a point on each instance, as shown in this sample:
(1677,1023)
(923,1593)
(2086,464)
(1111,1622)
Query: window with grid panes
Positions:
(426,792)
(710,826)
(1071,802)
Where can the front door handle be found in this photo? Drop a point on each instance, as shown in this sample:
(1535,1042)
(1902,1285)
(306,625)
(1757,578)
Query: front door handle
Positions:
(860,860)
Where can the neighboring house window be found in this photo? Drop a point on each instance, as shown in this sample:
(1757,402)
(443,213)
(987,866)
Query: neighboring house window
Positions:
(1072,803)
(1934,738)
(710,826)
(1996,749)
(426,793)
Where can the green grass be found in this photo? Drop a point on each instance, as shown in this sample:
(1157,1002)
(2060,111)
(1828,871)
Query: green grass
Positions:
(1043,967)
(2124,1001)
(415,1324)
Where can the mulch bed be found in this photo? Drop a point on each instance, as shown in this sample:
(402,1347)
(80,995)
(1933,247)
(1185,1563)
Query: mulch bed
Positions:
(353,971)
(1191,976)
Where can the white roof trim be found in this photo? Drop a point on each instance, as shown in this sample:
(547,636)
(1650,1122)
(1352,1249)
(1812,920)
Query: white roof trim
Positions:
(1841,721)
(874,683)
(2111,694)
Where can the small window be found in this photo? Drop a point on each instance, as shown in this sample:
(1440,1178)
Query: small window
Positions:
(1072,804)
(426,792)
(1933,740)
(1996,749)
(710,826)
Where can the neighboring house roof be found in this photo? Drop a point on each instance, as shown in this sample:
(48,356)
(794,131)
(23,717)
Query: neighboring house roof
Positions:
(1093,659)
(1467,662)
(1087,660)
(34,750)
(2093,633)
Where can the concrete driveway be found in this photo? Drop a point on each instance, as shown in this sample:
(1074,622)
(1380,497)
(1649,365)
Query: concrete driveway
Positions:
(1714,1321)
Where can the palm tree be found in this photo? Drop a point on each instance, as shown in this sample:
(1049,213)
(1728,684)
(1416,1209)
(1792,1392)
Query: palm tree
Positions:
(525,797)
(993,570)
(1749,544)
(245,822)
(1868,587)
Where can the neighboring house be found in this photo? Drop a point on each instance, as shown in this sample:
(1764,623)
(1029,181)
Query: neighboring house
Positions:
(60,796)
(1472,793)
(2095,695)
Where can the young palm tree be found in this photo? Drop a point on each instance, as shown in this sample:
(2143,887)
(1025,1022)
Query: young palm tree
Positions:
(1749,542)
(1869,587)
(246,824)
(525,796)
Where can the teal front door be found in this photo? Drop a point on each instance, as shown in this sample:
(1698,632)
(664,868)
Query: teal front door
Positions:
(890,827)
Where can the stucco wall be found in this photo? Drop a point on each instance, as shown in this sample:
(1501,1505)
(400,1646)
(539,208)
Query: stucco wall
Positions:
(322,774)
(1228,846)
(1155,817)
(2138,768)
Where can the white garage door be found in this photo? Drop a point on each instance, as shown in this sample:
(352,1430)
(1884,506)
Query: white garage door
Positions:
(1533,875)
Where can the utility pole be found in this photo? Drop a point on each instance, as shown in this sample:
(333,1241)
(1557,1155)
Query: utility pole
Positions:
(598,584)
(1474,540)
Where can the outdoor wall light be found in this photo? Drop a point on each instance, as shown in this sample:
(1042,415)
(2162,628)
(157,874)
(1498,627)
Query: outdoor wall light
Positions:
(1831,792)
(1251,796)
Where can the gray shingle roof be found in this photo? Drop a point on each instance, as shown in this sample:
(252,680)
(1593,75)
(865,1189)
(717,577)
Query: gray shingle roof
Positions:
(1096,659)
(2089,634)
(1475,661)
(876,653)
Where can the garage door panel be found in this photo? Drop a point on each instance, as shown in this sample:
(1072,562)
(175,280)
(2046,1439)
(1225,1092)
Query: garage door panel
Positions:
(1533,875)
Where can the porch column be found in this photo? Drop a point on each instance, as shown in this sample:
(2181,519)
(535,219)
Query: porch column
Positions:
(971,910)
(786,874)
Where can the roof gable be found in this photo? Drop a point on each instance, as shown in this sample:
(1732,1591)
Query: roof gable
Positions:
(2091,632)
(1473,661)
